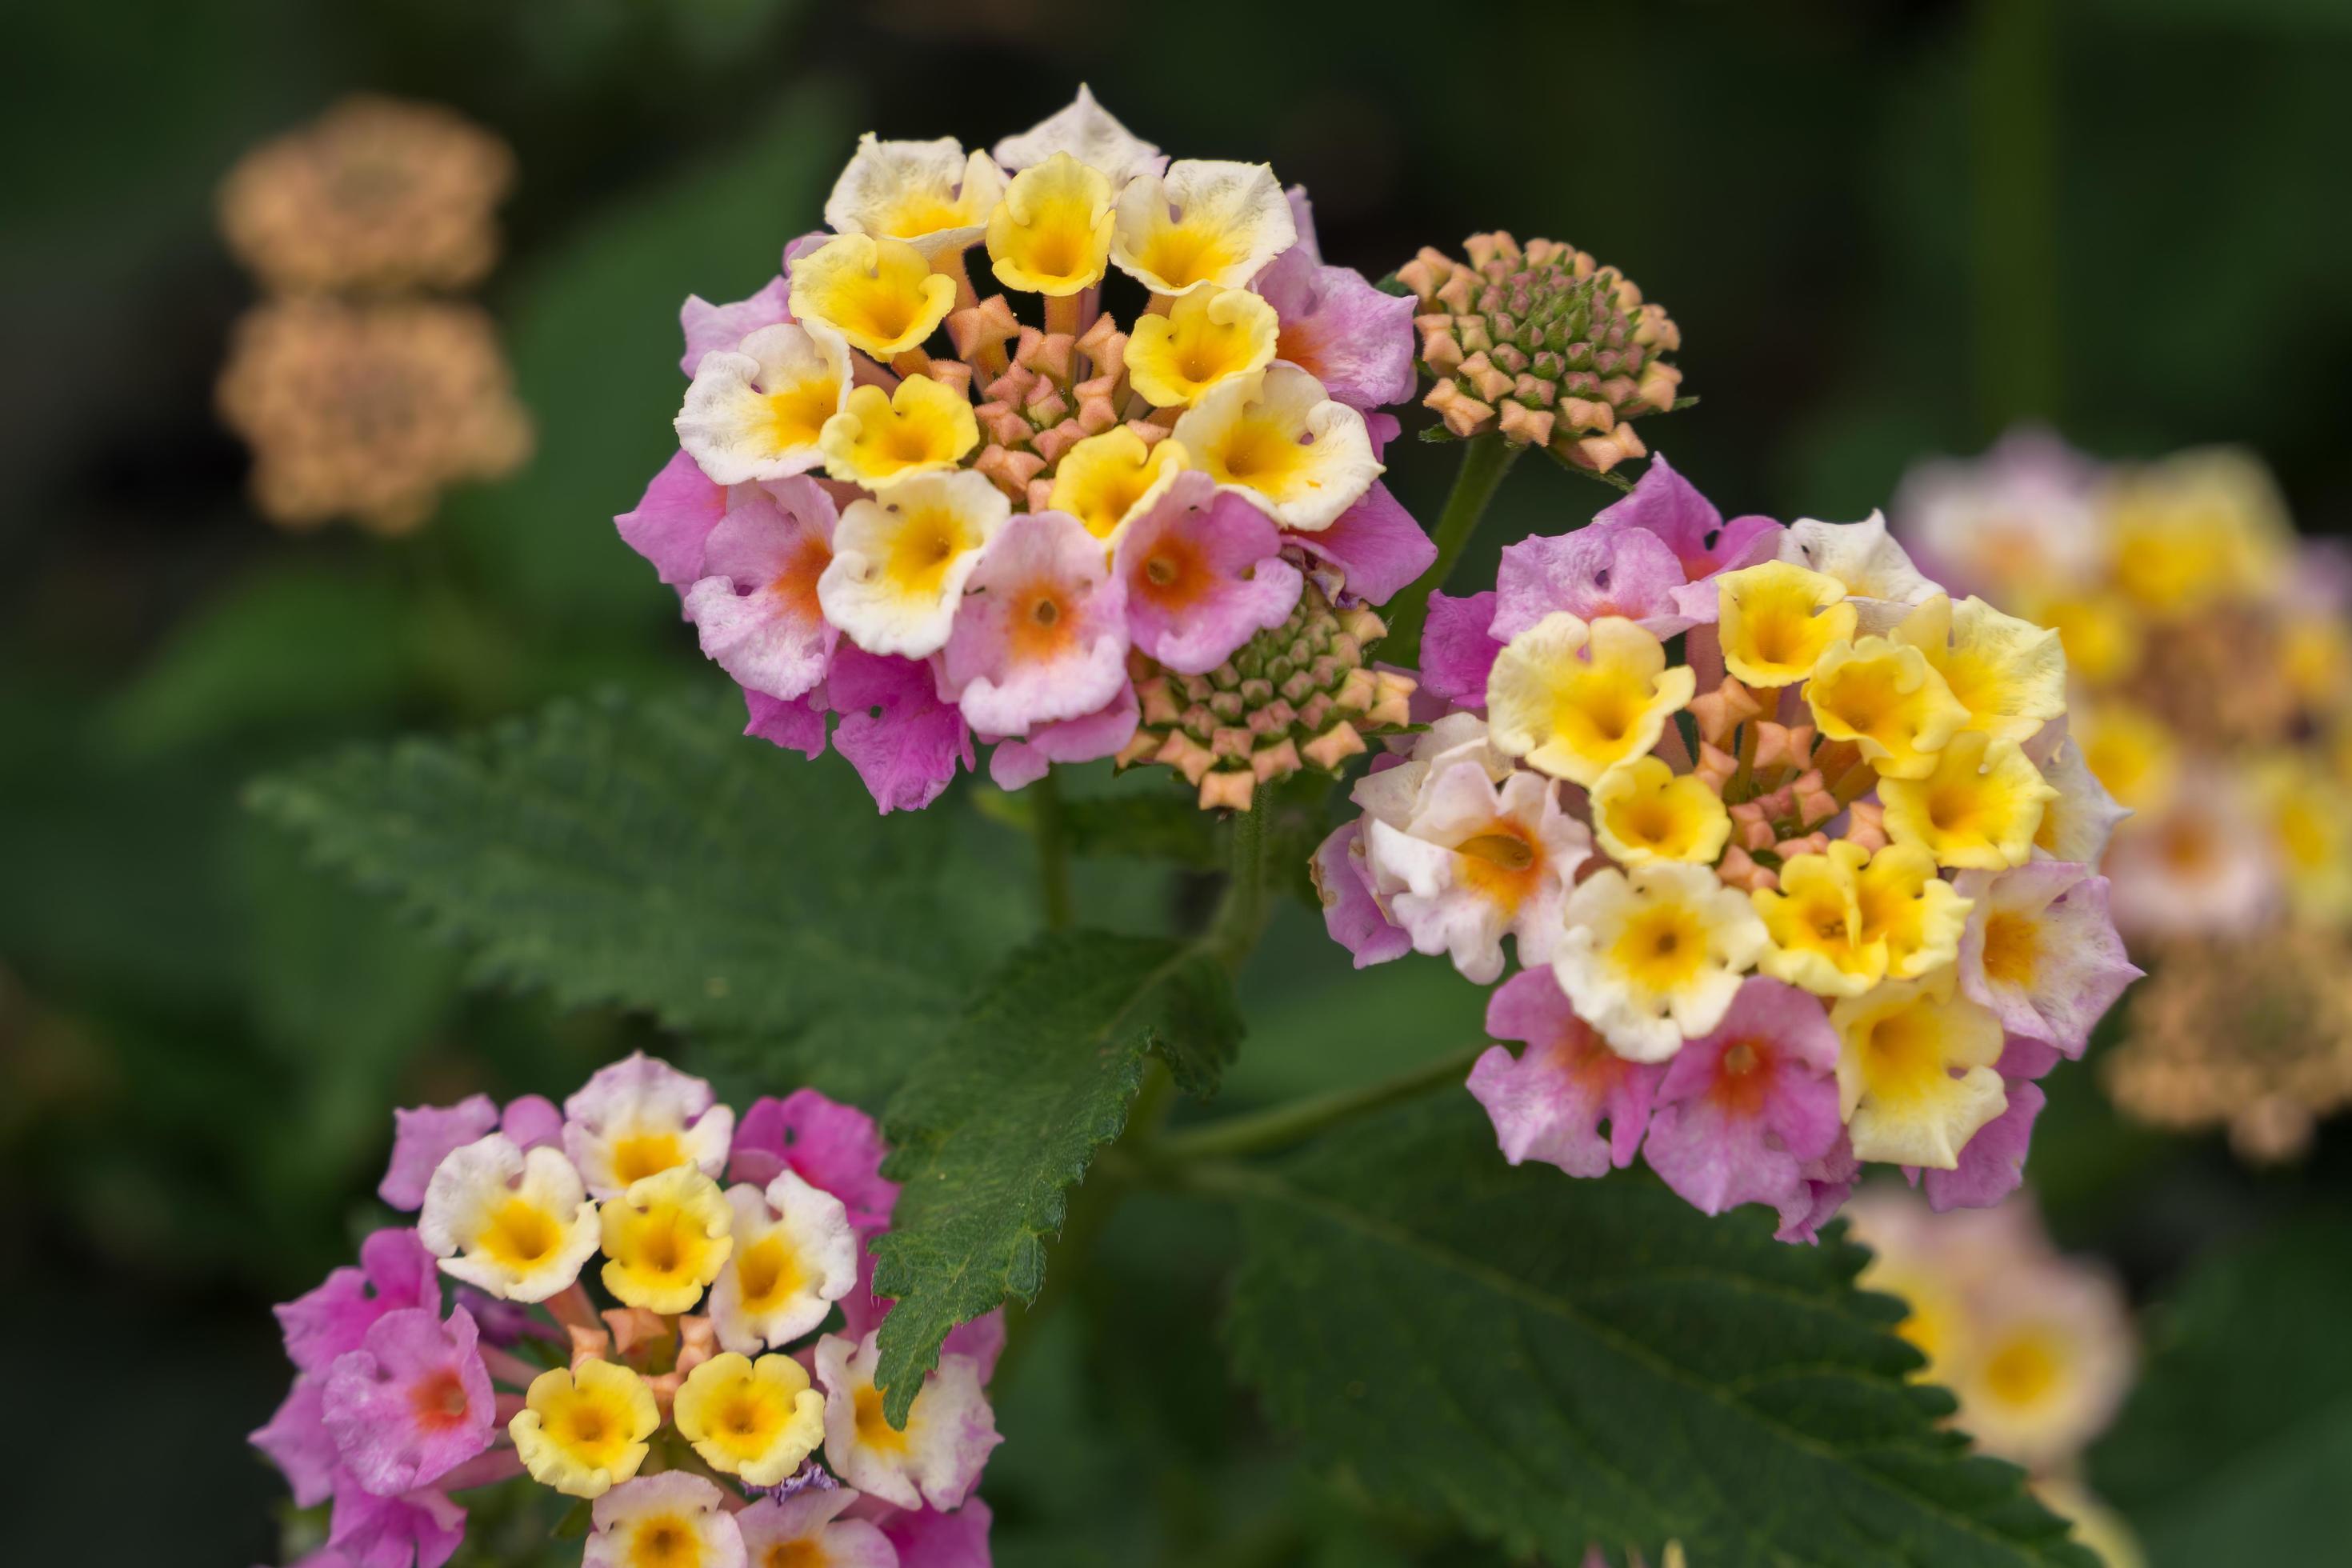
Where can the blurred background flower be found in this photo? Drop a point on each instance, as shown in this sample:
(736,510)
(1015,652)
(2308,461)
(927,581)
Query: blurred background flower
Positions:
(1884,232)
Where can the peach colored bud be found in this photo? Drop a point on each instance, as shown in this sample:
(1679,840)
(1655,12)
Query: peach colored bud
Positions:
(1866,825)
(1278,760)
(1714,765)
(1749,827)
(1152,433)
(1723,710)
(1011,387)
(988,324)
(1441,350)
(1740,871)
(1472,331)
(1525,426)
(1158,703)
(1334,746)
(953,375)
(1227,790)
(1458,292)
(1811,844)
(1141,747)
(1009,471)
(1051,444)
(1812,802)
(1782,746)
(1420,277)
(633,1326)
(1104,346)
(1186,756)
(1464,415)
(1053,353)
(914,362)
(588,1344)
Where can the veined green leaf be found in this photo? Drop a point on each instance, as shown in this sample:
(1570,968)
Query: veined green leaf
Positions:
(1563,1363)
(995,1127)
(642,853)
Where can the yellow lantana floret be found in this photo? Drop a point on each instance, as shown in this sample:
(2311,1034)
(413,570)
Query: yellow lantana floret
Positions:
(1644,810)
(1776,620)
(582,1429)
(2100,632)
(2009,674)
(518,1225)
(1577,698)
(666,1239)
(901,561)
(1279,440)
(1654,956)
(880,294)
(1050,233)
(1888,699)
(932,194)
(1204,223)
(880,438)
(1107,482)
(1206,337)
(2309,813)
(1909,910)
(1814,919)
(1915,1077)
(754,1419)
(1977,811)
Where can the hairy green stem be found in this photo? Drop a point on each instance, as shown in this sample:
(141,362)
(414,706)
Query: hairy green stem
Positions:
(1485,460)
(1282,1125)
(1051,834)
(1242,912)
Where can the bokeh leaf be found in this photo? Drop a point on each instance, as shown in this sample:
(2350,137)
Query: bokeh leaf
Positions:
(1040,1072)
(1567,1362)
(640,852)
(2236,1444)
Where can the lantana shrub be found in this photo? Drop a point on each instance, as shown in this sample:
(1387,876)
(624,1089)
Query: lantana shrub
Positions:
(1769,847)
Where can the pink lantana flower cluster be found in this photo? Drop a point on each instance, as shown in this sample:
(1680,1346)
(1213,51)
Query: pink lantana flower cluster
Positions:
(712,1400)
(1145,523)
(1796,868)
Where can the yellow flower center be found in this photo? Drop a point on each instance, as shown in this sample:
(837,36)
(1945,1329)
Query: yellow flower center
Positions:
(1206,337)
(2012,945)
(665,1540)
(927,539)
(519,1235)
(874,1429)
(644,1154)
(880,293)
(1106,480)
(1050,233)
(2025,1370)
(796,415)
(1661,948)
(1778,618)
(770,1272)
(1260,453)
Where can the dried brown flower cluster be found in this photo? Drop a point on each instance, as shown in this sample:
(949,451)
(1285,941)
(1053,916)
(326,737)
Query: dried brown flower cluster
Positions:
(360,398)
(369,409)
(376,194)
(2254,1036)
(1545,344)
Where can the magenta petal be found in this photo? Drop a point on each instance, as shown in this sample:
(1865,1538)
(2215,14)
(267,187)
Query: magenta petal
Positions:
(710,327)
(412,1403)
(1457,652)
(1202,574)
(421,1135)
(1549,1102)
(1351,914)
(531,1120)
(982,1339)
(829,1145)
(1670,506)
(756,608)
(1020,763)
(2022,1058)
(670,523)
(903,741)
(1376,544)
(394,1271)
(299,1444)
(1722,1138)
(1355,340)
(926,1538)
(418,1529)
(1992,1166)
(795,723)
(1827,1183)
(1608,569)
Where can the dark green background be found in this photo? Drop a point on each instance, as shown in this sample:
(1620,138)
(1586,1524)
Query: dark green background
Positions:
(1884,230)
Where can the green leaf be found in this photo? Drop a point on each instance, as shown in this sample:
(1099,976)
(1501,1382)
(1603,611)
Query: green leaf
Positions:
(1565,1363)
(642,853)
(1040,1072)
(2235,1446)
(1158,824)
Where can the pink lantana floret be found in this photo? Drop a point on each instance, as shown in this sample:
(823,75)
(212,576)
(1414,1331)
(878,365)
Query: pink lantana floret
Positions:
(423,1136)
(1457,650)
(1352,913)
(394,1271)
(679,509)
(412,1403)
(1376,545)
(1548,1102)
(1670,506)
(2077,967)
(1042,633)
(756,604)
(1201,574)
(1018,762)
(829,1145)
(1744,1108)
(904,742)
(1355,340)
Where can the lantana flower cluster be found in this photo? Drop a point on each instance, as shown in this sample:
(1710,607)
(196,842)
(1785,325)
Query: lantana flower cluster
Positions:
(640,1303)
(1063,446)
(1794,859)
(2037,1347)
(2212,696)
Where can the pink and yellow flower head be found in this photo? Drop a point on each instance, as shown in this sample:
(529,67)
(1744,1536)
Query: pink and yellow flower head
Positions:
(680,1387)
(1816,804)
(1064,325)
